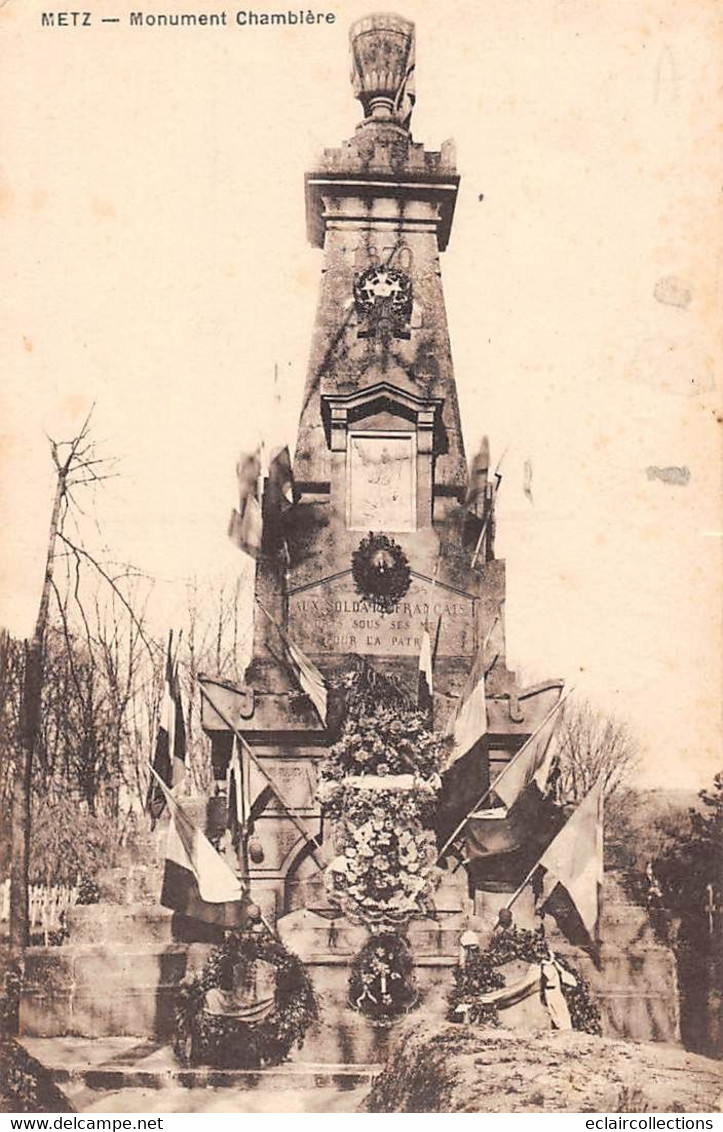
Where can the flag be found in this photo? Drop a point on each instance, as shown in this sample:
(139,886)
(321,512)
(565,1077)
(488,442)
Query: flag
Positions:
(245,526)
(529,824)
(573,872)
(468,725)
(169,760)
(237,797)
(305,671)
(281,480)
(532,763)
(266,490)
(477,479)
(524,819)
(197,882)
(308,675)
(425,692)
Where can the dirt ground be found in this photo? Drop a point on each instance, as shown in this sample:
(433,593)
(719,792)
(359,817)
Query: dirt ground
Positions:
(450,1068)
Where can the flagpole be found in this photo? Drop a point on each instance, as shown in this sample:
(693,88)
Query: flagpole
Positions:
(492,785)
(527,879)
(294,820)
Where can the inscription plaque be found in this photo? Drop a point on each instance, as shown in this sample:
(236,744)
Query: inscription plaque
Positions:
(330,616)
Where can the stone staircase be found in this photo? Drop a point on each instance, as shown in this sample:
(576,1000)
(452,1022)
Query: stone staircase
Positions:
(117,975)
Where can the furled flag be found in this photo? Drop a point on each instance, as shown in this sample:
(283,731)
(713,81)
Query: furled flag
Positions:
(469,723)
(572,880)
(245,526)
(521,788)
(478,478)
(197,882)
(238,801)
(266,491)
(425,692)
(281,480)
(305,671)
(169,760)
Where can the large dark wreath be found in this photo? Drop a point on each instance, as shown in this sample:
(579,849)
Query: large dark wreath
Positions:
(229,1043)
(481,975)
(382,986)
(381,571)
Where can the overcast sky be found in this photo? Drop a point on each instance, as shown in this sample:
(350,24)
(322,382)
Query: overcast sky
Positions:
(153,222)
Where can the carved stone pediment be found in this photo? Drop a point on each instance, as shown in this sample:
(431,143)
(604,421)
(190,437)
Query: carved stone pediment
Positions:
(343,411)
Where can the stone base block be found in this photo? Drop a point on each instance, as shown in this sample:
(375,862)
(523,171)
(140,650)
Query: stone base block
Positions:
(100,991)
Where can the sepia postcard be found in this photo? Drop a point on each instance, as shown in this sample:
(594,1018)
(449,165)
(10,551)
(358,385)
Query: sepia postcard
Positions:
(361,612)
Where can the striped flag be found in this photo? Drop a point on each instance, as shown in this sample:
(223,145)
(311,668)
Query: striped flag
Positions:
(281,479)
(469,723)
(573,872)
(477,478)
(197,882)
(521,788)
(245,526)
(307,675)
(266,487)
(533,762)
(237,797)
(425,691)
(169,760)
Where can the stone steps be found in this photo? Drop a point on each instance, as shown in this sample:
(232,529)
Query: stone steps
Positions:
(115,1063)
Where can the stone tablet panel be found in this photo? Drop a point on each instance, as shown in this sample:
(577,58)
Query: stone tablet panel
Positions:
(382,487)
(331,617)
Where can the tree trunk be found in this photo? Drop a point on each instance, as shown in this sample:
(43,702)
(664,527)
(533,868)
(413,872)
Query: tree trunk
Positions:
(31,706)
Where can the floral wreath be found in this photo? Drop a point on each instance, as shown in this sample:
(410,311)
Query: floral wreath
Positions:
(381,571)
(480,975)
(227,1042)
(382,986)
(378,787)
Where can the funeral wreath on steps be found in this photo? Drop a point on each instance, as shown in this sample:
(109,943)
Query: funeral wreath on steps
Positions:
(480,989)
(248,1007)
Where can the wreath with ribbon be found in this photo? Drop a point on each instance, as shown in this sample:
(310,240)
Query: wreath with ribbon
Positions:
(267,1035)
(480,988)
(381,573)
(382,986)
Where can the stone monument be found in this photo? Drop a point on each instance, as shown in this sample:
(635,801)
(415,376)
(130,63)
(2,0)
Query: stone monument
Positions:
(380,490)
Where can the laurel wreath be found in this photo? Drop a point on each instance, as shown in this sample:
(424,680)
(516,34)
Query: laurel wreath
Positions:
(481,974)
(386,586)
(382,985)
(229,1043)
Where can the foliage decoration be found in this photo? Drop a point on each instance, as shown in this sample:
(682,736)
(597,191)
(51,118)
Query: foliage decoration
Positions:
(481,974)
(386,870)
(381,573)
(229,1042)
(381,982)
(385,741)
(378,786)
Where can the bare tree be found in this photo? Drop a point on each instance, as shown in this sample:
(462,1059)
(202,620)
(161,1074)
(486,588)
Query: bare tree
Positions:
(76,465)
(593,746)
(80,670)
